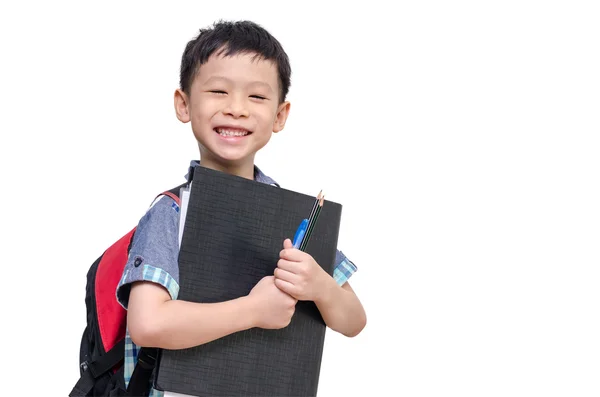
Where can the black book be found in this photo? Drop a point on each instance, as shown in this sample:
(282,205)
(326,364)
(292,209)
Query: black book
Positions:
(234,231)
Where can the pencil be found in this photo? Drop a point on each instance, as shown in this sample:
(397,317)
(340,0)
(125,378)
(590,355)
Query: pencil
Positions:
(314,208)
(311,217)
(312,223)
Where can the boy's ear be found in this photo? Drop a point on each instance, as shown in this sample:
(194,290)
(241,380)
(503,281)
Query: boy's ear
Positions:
(283,110)
(181,101)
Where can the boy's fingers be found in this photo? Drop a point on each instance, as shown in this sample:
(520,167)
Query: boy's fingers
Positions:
(287,244)
(285,286)
(292,254)
(285,275)
(289,266)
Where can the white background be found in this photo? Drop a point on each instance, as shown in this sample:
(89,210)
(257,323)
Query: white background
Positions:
(462,139)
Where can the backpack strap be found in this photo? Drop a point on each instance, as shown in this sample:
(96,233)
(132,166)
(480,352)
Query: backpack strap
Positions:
(173,193)
(93,370)
(139,384)
(174,197)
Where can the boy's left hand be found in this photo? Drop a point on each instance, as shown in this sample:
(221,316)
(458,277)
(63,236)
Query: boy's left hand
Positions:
(299,275)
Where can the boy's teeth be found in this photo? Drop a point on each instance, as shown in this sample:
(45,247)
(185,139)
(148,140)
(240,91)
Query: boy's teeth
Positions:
(225,132)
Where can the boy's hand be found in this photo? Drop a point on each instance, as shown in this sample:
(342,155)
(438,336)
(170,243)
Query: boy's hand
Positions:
(299,275)
(274,308)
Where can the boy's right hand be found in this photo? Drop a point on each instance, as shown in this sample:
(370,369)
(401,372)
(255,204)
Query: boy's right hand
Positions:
(273,308)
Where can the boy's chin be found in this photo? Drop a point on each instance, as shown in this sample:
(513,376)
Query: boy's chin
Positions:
(236,155)
(235,158)
(231,158)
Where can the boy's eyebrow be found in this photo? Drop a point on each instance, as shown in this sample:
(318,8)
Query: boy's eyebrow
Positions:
(259,83)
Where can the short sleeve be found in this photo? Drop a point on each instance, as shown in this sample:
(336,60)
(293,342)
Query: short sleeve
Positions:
(344,268)
(154,251)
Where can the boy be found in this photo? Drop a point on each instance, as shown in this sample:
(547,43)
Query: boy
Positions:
(233,84)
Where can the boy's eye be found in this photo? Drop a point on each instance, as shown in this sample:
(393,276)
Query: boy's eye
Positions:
(217,92)
(257,97)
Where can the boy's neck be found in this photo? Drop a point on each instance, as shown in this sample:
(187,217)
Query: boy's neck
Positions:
(245,170)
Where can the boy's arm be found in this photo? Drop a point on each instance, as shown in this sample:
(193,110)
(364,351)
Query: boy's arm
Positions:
(341,309)
(300,276)
(154,319)
(150,285)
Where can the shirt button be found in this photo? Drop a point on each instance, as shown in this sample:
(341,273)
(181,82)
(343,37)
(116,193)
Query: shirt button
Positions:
(137,262)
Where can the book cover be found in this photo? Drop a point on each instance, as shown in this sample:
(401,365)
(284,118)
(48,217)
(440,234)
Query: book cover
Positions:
(234,231)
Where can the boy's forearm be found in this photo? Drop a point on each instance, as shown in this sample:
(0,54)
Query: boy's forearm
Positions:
(179,324)
(341,309)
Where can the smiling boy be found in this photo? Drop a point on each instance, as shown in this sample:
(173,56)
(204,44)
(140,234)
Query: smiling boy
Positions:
(233,86)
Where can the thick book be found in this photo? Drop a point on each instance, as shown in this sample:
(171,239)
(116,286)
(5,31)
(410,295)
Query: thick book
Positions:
(234,230)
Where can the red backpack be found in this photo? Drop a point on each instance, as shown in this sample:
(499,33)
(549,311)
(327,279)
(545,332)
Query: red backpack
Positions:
(102,346)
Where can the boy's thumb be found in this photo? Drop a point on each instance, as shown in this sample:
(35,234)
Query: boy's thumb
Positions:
(287,243)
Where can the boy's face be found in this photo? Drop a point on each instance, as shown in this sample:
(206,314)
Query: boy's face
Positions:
(234,108)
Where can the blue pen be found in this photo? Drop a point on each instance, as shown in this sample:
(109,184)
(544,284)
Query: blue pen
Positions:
(299,236)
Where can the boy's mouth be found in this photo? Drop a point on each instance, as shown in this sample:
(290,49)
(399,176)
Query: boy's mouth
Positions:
(232,131)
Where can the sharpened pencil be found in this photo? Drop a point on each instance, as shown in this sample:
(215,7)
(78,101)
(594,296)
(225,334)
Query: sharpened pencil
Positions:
(314,208)
(312,223)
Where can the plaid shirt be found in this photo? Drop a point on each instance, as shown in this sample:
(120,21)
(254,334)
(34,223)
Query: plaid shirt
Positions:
(164,214)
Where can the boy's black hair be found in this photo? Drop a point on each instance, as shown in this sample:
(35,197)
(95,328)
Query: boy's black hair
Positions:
(231,38)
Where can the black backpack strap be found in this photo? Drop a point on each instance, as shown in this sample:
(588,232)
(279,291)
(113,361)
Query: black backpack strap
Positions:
(176,190)
(93,370)
(139,384)
(84,385)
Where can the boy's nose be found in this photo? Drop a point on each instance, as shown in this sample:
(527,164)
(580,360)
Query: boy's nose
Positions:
(236,107)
